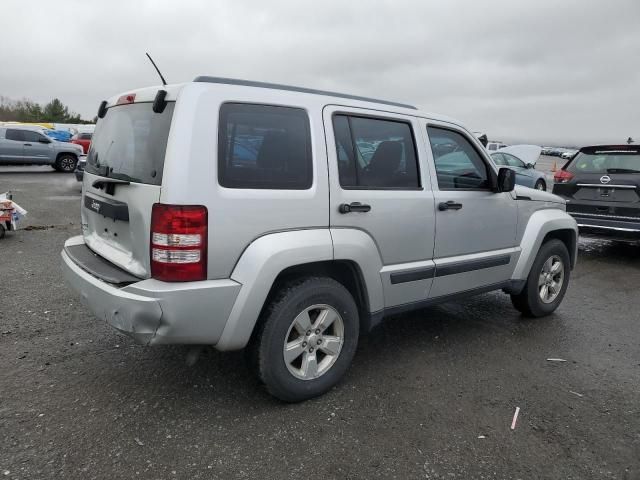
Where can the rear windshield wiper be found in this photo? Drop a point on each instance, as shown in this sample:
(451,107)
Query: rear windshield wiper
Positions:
(117,178)
(109,184)
(622,170)
(101,182)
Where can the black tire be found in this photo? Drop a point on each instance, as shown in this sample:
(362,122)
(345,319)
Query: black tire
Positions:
(2,230)
(529,301)
(541,185)
(66,163)
(265,352)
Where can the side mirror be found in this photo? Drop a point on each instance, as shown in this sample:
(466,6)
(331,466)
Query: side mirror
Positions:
(506,180)
(44,140)
(529,165)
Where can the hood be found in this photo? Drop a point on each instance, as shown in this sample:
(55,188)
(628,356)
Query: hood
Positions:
(67,146)
(538,195)
(526,153)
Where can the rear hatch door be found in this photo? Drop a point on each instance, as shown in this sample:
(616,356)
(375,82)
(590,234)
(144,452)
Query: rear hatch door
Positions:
(605,181)
(122,181)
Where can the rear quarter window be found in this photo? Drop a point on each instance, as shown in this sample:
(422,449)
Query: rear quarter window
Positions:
(264,147)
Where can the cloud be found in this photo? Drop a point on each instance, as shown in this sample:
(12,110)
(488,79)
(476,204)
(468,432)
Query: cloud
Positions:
(543,71)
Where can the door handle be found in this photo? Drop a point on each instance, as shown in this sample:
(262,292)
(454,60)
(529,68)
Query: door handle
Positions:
(354,207)
(27,144)
(450,205)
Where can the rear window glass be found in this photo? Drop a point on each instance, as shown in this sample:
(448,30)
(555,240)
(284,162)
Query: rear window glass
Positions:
(265,147)
(606,162)
(130,143)
(84,136)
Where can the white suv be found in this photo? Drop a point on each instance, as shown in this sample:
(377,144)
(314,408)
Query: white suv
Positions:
(289,221)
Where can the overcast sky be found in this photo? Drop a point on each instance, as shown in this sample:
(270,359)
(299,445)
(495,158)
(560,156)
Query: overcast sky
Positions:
(546,71)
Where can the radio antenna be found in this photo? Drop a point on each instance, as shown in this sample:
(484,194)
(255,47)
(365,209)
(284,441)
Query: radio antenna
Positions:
(164,82)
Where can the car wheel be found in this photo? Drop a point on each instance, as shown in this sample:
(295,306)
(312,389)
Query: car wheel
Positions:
(66,163)
(305,339)
(541,185)
(547,281)
(2,230)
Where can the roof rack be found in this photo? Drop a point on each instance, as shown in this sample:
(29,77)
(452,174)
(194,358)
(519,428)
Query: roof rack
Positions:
(276,86)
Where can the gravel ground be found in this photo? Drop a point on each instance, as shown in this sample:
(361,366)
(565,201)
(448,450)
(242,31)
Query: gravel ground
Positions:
(430,395)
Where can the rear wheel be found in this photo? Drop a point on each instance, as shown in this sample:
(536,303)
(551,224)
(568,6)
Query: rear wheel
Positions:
(66,163)
(540,185)
(547,281)
(2,230)
(305,339)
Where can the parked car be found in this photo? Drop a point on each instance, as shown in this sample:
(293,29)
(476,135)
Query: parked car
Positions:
(22,146)
(83,139)
(493,146)
(79,171)
(546,150)
(555,152)
(567,154)
(58,135)
(522,159)
(602,187)
(318,227)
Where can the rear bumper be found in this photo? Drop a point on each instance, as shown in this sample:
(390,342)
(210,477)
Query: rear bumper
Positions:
(605,226)
(154,312)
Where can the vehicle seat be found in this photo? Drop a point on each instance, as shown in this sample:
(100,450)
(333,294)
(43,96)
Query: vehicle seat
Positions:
(384,163)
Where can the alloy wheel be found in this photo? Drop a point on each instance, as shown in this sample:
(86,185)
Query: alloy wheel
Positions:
(313,342)
(67,164)
(551,279)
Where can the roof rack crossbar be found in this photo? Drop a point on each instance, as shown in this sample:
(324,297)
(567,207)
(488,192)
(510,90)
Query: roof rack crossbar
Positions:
(276,86)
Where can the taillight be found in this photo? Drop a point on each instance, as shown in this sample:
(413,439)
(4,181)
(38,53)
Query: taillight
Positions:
(562,176)
(124,99)
(178,242)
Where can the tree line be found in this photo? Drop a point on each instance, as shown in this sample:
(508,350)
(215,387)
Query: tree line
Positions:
(29,111)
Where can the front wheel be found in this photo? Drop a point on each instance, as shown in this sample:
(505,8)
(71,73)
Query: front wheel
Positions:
(305,339)
(66,163)
(540,185)
(547,281)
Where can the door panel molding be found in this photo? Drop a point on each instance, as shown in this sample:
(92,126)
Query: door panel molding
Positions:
(412,275)
(470,265)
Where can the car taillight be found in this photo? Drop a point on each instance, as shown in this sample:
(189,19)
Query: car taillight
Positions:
(178,242)
(562,176)
(124,99)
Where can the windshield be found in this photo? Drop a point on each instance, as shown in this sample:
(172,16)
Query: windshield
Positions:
(606,162)
(130,143)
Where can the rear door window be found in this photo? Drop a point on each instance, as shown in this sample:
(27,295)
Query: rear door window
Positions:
(375,153)
(30,136)
(13,134)
(264,147)
(130,143)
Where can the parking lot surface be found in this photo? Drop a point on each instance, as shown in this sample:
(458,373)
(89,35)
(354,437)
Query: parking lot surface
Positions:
(430,394)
